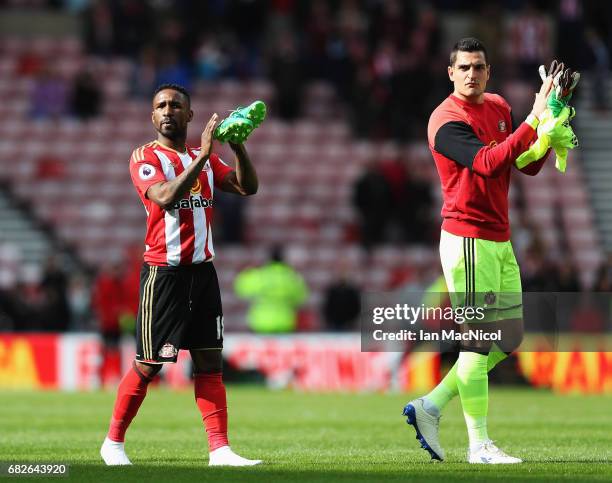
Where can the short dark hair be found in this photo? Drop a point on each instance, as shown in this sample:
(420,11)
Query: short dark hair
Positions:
(174,87)
(468,44)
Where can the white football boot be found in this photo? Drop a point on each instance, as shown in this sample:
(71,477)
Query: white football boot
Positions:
(426,426)
(489,454)
(113,453)
(224,456)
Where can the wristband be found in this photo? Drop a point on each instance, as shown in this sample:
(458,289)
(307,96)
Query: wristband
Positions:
(532,120)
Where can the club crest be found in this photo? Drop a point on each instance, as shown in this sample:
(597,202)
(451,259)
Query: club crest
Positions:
(168,350)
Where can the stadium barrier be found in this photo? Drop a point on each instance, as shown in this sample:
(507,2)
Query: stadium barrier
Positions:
(305,362)
(313,362)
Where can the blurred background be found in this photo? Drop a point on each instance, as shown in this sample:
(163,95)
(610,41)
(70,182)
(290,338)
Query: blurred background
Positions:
(349,198)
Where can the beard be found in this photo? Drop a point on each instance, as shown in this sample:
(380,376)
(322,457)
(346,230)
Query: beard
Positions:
(172,131)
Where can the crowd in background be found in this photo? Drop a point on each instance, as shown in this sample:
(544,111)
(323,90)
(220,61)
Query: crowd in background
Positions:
(385,58)
(387,62)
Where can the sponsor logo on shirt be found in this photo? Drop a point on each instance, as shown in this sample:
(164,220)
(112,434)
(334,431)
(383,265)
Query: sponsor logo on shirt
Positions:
(193,202)
(197,187)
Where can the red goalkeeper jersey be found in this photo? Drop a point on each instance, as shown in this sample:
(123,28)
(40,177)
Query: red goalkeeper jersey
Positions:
(474,148)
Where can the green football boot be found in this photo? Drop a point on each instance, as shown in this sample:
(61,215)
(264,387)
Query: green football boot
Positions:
(254,112)
(234,130)
(237,127)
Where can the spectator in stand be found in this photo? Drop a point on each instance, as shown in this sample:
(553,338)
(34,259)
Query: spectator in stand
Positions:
(130,282)
(172,35)
(276,291)
(229,218)
(390,20)
(417,221)
(108,303)
(415,78)
(210,60)
(286,73)
(427,36)
(246,18)
(539,273)
(384,62)
(54,284)
(414,225)
(596,305)
(599,68)
(49,98)
(172,70)
(318,28)
(341,302)
(488,26)
(30,303)
(133,26)
(50,166)
(351,19)
(395,170)
(98,29)
(524,231)
(570,33)
(86,97)
(29,64)
(79,301)
(567,277)
(373,199)
(590,313)
(144,75)
(363,109)
(603,278)
(530,39)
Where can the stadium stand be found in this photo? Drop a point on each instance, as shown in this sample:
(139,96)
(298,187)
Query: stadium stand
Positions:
(593,129)
(75,176)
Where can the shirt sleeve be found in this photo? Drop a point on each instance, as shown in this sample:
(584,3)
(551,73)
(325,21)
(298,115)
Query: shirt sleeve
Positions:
(145,170)
(219,168)
(457,141)
(534,168)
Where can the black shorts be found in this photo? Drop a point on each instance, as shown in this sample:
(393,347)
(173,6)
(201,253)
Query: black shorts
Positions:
(180,308)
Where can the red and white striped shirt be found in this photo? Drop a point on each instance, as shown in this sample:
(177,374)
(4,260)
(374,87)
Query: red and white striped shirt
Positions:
(181,235)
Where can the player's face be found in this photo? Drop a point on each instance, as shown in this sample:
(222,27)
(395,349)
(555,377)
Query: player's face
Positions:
(469,75)
(171,114)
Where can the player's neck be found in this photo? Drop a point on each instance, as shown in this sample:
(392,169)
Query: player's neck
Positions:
(177,145)
(470,99)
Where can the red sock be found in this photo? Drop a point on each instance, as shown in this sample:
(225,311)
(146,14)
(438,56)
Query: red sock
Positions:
(210,398)
(132,391)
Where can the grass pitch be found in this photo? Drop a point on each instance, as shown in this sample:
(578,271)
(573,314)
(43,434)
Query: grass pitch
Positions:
(309,437)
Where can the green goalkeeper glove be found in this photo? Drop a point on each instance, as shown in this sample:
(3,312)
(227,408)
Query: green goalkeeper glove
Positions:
(564,82)
(562,136)
(553,132)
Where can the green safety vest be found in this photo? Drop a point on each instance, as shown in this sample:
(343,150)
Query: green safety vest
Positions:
(276,291)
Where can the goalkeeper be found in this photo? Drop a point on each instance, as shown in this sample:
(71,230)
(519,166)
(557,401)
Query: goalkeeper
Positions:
(475,143)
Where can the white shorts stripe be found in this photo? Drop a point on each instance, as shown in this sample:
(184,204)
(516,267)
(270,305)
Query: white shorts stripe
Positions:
(147,313)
